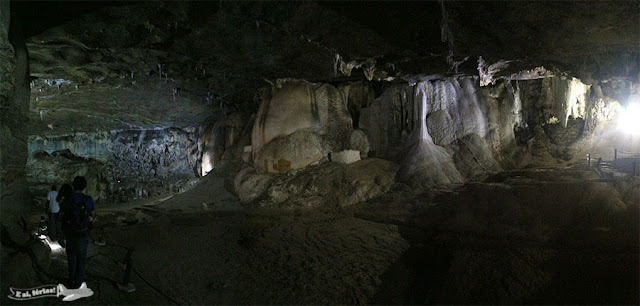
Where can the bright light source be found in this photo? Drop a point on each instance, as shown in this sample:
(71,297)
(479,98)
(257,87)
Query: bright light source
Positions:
(53,245)
(206,163)
(629,120)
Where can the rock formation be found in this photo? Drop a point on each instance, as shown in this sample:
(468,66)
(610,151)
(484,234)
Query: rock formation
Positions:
(418,122)
(119,165)
(14,98)
(300,124)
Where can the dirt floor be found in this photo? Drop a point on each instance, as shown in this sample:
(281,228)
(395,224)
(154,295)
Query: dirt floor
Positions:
(535,236)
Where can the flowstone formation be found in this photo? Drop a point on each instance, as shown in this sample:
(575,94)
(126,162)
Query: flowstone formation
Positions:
(300,124)
(438,131)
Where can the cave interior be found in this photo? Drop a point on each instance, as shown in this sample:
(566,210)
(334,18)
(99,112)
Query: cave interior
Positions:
(326,152)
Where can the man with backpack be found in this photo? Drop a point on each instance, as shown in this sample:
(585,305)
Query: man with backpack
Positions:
(77,224)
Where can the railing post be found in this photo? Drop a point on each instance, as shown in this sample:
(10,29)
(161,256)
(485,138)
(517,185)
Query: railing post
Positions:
(126,285)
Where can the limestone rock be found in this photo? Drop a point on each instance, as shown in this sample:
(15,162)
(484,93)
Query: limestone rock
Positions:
(358,141)
(478,126)
(298,125)
(14,231)
(250,185)
(473,158)
(293,151)
(118,165)
(246,154)
(386,119)
(42,254)
(345,157)
(332,184)
(424,164)
(441,127)
(14,105)
(219,141)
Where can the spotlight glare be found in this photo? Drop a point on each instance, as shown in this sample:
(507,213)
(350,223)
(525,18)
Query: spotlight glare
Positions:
(629,120)
(53,245)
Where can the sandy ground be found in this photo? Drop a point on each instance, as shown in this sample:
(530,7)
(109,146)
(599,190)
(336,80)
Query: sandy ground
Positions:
(541,236)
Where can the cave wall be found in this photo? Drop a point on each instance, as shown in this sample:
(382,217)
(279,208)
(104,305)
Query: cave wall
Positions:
(226,140)
(14,192)
(14,103)
(119,165)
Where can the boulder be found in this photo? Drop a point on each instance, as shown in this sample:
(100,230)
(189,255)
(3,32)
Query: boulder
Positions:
(15,237)
(293,151)
(345,157)
(331,184)
(250,185)
(358,141)
(13,230)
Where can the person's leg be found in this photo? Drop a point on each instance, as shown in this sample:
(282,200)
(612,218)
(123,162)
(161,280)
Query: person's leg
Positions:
(52,224)
(58,225)
(72,254)
(82,256)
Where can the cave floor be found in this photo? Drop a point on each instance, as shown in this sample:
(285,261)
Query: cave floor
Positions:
(535,236)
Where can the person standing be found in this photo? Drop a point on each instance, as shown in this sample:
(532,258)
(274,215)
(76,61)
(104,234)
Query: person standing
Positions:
(78,221)
(52,210)
(64,193)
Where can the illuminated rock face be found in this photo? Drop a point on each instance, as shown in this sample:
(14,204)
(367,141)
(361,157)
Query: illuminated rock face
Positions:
(224,140)
(358,141)
(451,130)
(442,131)
(119,165)
(345,157)
(300,124)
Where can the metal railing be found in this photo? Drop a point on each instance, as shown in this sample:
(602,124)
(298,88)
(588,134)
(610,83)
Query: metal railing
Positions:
(627,160)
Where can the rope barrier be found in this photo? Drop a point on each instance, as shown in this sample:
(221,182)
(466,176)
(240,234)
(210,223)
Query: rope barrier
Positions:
(135,271)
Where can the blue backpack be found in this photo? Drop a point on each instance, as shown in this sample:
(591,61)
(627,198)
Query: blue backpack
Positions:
(77,221)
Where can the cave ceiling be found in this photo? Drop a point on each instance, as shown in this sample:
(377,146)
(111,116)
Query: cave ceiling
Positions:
(98,65)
